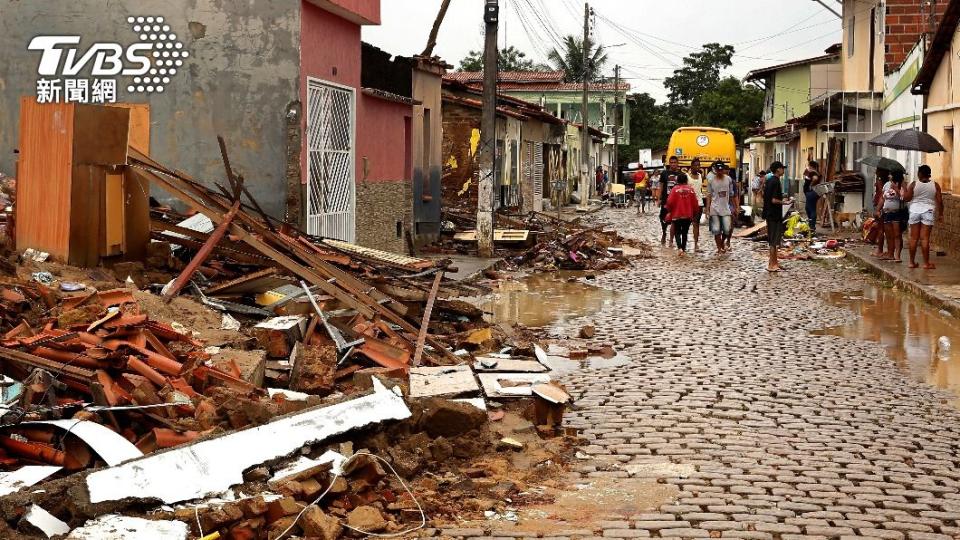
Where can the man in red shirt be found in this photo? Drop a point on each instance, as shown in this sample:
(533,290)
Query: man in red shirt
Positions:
(682,206)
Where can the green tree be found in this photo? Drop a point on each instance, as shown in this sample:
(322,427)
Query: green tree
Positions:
(700,73)
(731,105)
(651,125)
(569,59)
(508,59)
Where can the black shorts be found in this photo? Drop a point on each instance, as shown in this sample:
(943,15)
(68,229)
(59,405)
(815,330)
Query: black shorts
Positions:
(775,228)
(900,216)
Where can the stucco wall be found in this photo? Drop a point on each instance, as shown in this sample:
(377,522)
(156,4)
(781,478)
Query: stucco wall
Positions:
(238,81)
(856,66)
(381,143)
(427,155)
(943,113)
(791,94)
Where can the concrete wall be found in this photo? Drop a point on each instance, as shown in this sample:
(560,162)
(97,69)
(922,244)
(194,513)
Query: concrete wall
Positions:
(902,109)
(855,54)
(461,126)
(791,94)
(427,155)
(239,80)
(946,233)
(942,115)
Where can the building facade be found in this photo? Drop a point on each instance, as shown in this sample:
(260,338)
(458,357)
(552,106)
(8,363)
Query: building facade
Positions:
(283,82)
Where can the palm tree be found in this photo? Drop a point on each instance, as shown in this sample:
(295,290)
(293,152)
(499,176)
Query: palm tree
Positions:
(570,59)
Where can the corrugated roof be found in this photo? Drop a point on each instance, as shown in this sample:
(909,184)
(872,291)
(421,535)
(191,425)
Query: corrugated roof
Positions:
(506,76)
(532,81)
(757,73)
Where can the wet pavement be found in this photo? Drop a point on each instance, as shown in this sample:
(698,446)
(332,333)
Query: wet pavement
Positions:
(763,429)
(547,299)
(918,337)
(943,281)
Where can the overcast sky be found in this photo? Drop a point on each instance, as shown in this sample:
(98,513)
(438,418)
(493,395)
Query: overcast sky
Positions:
(657,33)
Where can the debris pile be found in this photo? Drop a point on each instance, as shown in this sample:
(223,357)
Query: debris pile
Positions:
(545,243)
(134,421)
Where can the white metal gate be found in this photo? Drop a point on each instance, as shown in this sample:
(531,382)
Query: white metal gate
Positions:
(331,191)
(538,176)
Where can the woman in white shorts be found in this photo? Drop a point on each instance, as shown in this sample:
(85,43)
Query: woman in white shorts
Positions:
(926,204)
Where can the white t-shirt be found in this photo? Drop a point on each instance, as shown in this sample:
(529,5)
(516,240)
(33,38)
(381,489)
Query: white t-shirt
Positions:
(696,182)
(721,190)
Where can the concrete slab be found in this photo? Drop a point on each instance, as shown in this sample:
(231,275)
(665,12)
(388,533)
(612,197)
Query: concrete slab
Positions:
(940,286)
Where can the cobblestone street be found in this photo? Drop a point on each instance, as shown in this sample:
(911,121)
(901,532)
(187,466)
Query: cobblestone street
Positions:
(766,430)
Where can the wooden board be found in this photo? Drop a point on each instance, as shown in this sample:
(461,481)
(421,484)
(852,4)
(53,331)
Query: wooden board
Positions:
(386,257)
(442,381)
(101,135)
(744,233)
(499,235)
(45,162)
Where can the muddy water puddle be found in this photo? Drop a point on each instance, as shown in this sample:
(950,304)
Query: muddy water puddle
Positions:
(921,340)
(547,300)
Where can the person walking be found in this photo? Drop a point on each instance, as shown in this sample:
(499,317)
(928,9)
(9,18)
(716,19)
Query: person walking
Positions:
(720,195)
(894,217)
(756,192)
(683,205)
(655,186)
(811,179)
(773,202)
(926,207)
(880,179)
(640,182)
(696,181)
(668,179)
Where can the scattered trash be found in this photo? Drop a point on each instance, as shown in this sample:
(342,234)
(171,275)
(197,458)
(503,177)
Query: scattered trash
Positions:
(42,277)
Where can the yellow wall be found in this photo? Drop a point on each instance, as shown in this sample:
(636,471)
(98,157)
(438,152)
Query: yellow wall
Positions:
(943,114)
(856,68)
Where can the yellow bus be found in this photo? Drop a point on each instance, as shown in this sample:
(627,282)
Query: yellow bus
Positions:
(707,143)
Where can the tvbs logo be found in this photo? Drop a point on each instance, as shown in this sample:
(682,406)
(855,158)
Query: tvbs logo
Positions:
(149,63)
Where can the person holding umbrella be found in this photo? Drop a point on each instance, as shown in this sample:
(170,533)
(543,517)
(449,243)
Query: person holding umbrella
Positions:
(923,195)
(926,207)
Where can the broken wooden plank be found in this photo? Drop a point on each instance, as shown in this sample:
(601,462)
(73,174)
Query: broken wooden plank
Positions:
(425,324)
(201,256)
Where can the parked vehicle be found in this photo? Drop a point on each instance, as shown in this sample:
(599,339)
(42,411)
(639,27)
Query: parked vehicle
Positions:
(707,143)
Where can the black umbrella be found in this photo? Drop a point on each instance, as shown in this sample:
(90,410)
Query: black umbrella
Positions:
(908,139)
(880,162)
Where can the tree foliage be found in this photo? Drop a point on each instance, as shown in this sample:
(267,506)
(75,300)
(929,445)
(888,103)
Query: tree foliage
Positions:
(731,106)
(701,72)
(700,95)
(569,59)
(508,59)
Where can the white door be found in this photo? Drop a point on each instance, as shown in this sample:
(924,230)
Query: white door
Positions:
(331,192)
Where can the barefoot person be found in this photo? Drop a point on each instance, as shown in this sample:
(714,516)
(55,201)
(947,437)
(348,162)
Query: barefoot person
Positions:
(668,179)
(878,182)
(894,216)
(926,207)
(773,212)
(696,182)
(720,201)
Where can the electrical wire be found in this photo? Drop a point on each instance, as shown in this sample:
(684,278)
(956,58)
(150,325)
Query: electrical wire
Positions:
(423,515)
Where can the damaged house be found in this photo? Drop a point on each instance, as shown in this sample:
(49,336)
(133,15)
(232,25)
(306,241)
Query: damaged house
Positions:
(533,151)
(283,81)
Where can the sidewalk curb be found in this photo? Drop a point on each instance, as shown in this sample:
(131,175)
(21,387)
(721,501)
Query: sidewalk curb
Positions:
(937,300)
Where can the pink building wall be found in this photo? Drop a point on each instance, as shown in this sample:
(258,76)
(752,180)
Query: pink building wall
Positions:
(381,134)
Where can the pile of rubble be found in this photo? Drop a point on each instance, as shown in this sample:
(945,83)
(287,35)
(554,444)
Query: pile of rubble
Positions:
(338,390)
(546,243)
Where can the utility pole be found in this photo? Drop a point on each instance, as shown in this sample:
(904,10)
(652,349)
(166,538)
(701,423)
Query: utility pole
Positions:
(488,132)
(584,190)
(615,177)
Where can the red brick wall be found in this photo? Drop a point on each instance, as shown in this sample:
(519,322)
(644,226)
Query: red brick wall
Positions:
(946,234)
(905,22)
